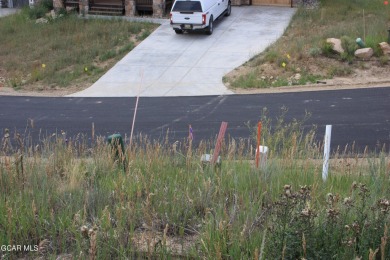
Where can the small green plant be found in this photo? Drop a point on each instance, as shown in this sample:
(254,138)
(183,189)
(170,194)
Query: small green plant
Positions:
(339,70)
(127,48)
(373,42)
(15,83)
(315,52)
(349,46)
(384,60)
(249,81)
(39,10)
(144,35)
(108,55)
(272,56)
(327,49)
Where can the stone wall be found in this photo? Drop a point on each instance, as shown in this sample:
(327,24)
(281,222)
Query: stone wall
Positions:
(240,2)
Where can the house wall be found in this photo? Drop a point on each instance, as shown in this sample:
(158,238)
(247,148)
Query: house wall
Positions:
(130,6)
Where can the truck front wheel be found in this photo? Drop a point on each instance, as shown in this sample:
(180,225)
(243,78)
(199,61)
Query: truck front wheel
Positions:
(210,29)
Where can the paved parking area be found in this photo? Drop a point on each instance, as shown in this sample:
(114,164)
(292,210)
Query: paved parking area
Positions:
(166,64)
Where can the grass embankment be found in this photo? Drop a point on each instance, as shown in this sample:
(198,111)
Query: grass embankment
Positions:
(77,201)
(303,50)
(67,52)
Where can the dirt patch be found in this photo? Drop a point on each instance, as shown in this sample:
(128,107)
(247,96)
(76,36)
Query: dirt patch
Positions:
(363,74)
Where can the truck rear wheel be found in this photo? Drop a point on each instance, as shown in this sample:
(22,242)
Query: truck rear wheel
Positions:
(210,29)
(228,9)
(178,31)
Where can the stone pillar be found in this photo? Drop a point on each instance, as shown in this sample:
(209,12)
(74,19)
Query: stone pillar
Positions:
(130,7)
(83,7)
(158,8)
(58,4)
(240,2)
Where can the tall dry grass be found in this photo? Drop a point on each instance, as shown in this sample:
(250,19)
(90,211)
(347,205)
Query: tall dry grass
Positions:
(76,199)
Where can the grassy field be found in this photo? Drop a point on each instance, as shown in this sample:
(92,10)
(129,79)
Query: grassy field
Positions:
(76,200)
(65,53)
(302,49)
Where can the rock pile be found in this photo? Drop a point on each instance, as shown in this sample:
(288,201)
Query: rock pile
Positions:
(361,52)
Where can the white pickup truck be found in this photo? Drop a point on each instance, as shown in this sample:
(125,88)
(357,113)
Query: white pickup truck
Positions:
(190,15)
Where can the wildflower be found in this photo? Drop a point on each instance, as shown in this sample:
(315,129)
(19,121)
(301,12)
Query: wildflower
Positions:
(348,202)
(356,227)
(364,189)
(307,213)
(287,190)
(332,213)
(350,242)
(330,199)
(354,185)
(384,205)
(288,56)
(84,231)
(85,69)
(283,64)
(43,65)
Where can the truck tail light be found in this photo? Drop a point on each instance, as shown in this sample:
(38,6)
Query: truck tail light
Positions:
(203,19)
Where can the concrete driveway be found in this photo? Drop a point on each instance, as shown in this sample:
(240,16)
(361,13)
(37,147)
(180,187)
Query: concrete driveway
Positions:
(8,11)
(166,64)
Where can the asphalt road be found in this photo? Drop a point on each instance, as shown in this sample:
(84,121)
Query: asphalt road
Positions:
(361,116)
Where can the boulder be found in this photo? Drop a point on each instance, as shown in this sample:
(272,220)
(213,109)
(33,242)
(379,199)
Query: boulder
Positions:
(336,45)
(385,48)
(365,53)
(41,21)
(297,76)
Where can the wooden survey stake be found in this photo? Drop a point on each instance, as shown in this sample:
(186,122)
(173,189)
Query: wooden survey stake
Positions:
(221,136)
